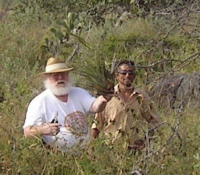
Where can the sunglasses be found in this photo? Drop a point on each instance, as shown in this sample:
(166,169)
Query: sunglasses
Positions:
(123,72)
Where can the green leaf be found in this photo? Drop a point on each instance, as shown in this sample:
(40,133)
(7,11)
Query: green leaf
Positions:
(53,30)
(43,47)
(59,35)
(47,41)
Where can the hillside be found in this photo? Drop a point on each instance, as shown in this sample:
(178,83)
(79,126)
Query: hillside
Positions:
(162,38)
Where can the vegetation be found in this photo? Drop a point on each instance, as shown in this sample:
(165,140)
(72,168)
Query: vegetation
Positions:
(161,36)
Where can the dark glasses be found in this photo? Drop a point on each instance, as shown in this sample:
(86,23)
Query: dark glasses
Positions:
(123,72)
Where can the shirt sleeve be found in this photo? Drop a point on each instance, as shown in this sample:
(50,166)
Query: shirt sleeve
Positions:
(34,114)
(149,112)
(99,120)
(86,99)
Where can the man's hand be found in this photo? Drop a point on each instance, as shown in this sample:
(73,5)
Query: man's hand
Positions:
(95,132)
(49,129)
(45,129)
(99,104)
(108,97)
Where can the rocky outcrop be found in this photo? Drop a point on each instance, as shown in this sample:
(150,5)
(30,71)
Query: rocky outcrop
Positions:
(177,91)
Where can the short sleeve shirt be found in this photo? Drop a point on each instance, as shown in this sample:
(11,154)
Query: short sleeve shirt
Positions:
(71,115)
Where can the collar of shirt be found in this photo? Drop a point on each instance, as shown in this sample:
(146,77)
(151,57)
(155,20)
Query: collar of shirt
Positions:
(135,91)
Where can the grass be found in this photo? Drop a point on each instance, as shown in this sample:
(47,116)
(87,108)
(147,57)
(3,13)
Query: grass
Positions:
(175,150)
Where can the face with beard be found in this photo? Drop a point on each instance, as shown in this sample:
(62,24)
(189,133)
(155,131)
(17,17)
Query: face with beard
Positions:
(125,75)
(58,83)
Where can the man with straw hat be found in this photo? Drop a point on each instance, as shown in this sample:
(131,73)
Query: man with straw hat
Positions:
(58,114)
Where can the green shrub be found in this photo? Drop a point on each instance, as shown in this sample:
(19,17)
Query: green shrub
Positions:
(156,43)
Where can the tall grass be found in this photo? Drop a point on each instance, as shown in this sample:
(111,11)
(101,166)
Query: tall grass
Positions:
(175,149)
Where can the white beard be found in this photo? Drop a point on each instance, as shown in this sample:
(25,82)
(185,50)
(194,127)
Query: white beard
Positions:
(56,89)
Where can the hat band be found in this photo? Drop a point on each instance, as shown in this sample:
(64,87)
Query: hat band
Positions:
(56,66)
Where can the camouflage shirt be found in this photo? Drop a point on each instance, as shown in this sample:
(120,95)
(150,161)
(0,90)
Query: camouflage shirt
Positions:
(130,119)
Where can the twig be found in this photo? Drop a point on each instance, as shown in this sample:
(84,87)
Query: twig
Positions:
(182,18)
(151,153)
(182,64)
(69,59)
(193,57)
(158,62)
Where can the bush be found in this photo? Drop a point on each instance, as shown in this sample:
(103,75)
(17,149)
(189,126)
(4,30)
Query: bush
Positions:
(159,44)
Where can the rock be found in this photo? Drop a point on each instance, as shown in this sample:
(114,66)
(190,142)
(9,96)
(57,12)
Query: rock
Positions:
(177,91)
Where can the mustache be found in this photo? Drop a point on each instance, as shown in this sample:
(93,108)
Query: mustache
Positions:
(61,82)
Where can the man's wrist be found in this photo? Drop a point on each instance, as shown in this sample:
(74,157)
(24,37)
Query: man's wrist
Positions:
(38,130)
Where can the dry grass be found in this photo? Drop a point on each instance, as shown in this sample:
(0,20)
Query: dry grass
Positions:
(175,150)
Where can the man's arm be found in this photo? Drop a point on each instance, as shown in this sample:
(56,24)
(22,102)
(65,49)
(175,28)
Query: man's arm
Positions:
(99,104)
(45,129)
(98,124)
(149,111)
(151,115)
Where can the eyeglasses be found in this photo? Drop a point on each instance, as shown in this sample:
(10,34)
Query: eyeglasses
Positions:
(123,72)
(56,75)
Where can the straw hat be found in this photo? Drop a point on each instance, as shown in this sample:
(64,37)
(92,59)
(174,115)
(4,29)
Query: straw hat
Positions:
(56,65)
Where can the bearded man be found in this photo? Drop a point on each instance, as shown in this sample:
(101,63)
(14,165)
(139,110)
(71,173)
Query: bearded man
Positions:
(58,114)
(129,114)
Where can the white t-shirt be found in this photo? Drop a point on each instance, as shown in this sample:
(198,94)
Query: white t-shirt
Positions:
(71,115)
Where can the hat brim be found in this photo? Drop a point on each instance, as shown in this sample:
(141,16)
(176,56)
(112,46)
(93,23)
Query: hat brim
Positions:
(57,70)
